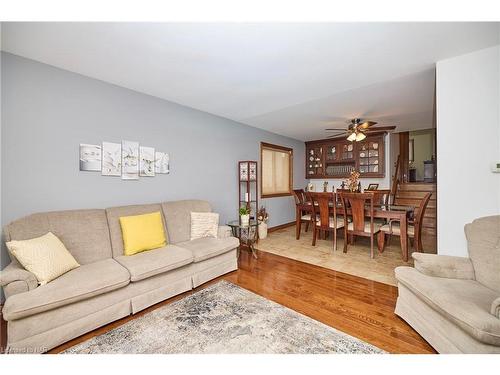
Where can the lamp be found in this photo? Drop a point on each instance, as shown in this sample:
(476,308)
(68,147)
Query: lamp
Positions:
(360,136)
(352,137)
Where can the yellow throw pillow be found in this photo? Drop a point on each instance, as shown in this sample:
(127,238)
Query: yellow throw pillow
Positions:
(46,257)
(142,232)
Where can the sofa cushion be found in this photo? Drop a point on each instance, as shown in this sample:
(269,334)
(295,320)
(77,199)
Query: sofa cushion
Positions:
(114,213)
(81,283)
(178,218)
(483,241)
(85,233)
(46,257)
(205,248)
(142,232)
(154,262)
(467,303)
(204,224)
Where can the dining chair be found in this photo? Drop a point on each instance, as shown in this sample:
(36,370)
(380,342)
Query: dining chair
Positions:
(325,212)
(414,228)
(356,204)
(303,211)
(380,196)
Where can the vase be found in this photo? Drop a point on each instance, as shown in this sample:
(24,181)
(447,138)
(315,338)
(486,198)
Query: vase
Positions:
(262,230)
(245,220)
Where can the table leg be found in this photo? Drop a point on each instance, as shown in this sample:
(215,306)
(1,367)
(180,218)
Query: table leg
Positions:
(404,237)
(254,252)
(297,223)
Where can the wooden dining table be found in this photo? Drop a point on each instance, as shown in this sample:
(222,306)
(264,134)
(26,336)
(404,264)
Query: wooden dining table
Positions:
(386,211)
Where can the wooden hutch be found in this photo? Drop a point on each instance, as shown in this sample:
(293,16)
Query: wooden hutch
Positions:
(337,157)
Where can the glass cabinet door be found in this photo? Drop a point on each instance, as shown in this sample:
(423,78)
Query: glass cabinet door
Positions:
(347,151)
(331,153)
(369,157)
(314,161)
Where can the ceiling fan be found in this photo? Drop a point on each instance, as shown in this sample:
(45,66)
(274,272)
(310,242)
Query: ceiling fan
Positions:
(357,130)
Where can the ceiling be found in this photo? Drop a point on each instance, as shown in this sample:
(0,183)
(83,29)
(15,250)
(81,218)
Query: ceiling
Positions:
(293,79)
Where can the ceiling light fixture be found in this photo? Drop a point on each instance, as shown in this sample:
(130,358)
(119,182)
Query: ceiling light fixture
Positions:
(360,136)
(352,137)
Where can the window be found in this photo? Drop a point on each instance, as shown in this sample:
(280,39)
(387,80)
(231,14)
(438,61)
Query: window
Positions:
(276,170)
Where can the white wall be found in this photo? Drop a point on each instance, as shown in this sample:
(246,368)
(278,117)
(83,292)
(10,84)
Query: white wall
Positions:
(384,183)
(468,140)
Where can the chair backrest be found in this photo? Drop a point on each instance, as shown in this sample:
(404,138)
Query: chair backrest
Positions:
(85,233)
(380,196)
(178,217)
(421,209)
(113,215)
(420,215)
(358,202)
(321,203)
(298,195)
(483,242)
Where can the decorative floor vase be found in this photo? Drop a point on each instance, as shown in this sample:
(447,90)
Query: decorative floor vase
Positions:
(262,230)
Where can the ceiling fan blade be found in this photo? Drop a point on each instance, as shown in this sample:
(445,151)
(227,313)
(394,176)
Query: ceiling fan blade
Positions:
(336,129)
(366,124)
(381,128)
(337,135)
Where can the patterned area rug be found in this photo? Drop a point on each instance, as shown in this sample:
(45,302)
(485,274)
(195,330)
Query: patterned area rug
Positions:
(223,318)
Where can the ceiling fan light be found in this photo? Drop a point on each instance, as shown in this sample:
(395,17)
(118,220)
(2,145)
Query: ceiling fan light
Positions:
(352,137)
(360,136)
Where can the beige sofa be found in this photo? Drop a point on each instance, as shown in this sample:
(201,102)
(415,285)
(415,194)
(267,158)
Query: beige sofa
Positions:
(454,302)
(108,286)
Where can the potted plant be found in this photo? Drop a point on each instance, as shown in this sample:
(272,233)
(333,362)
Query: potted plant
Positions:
(245,216)
(262,217)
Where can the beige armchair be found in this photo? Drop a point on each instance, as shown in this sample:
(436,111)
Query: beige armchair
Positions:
(454,302)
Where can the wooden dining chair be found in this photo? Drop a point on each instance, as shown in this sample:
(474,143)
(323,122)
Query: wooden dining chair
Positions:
(414,228)
(303,211)
(325,212)
(356,203)
(380,196)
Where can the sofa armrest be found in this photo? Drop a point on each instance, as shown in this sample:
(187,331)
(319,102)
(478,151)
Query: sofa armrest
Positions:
(449,267)
(15,279)
(224,232)
(495,308)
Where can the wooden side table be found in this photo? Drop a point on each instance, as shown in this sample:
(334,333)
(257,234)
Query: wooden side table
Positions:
(247,234)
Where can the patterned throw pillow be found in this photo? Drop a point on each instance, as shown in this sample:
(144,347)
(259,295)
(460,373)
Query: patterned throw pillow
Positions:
(204,224)
(46,257)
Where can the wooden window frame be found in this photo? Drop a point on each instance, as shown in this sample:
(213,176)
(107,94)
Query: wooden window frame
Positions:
(270,146)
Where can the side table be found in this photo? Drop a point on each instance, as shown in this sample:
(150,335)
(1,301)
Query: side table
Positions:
(247,234)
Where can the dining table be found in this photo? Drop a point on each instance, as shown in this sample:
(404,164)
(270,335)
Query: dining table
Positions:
(402,214)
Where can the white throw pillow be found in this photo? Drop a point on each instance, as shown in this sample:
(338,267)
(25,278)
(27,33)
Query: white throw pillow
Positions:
(46,257)
(204,224)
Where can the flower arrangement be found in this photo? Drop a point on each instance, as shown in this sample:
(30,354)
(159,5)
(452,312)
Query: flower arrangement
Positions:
(353,181)
(262,215)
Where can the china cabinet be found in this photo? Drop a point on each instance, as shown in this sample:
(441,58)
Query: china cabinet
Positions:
(337,157)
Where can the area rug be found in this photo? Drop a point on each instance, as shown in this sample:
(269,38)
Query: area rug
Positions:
(223,318)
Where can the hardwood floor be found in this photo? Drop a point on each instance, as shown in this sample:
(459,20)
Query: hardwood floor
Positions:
(357,306)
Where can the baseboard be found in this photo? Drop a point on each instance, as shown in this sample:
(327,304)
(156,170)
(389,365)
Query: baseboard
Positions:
(282,226)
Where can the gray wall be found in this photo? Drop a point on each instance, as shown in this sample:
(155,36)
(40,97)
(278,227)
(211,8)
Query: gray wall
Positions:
(47,112)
